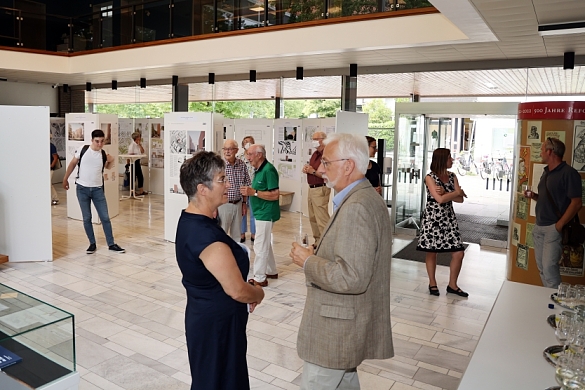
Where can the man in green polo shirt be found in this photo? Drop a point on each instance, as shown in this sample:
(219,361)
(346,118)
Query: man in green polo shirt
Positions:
(264,196)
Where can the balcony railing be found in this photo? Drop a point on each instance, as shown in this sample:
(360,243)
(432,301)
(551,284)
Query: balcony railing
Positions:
(157,20)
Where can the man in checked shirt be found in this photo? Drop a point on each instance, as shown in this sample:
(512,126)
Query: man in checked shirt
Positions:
(230,214)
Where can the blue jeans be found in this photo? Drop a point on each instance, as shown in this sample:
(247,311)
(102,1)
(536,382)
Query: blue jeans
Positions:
(547,251)
(86,195)
(252,221)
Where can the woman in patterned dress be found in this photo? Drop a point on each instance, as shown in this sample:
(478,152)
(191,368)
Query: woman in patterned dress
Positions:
(439,231)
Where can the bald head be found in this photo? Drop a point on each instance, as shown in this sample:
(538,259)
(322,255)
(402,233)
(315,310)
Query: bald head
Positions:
(256,154)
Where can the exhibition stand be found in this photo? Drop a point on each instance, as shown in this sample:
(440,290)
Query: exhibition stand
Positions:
(538,121)
(185,134)
(25,192)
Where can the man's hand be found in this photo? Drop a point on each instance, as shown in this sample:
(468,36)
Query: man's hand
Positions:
(244,191)
(65,184)
(308,169)
(300,254)
(244,208)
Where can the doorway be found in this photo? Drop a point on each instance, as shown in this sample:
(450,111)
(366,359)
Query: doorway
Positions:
(467,129)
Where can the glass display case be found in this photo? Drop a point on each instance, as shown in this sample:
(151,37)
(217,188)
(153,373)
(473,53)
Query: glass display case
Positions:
(37,344)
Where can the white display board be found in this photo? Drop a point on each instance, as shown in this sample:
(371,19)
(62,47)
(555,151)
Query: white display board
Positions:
(287,157)
(58,139)
(156,156)
(351,122)
(260,129)
(78,129)
(185,134)
(25,194)
(227,132)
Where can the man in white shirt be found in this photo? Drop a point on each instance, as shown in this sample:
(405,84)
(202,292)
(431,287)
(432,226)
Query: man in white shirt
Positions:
(90,187)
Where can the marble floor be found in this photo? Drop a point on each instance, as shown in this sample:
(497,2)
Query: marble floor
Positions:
(129,308)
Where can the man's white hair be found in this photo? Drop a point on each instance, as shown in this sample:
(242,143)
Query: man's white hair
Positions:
(351,146)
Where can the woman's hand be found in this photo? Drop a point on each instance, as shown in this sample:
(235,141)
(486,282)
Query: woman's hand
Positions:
(440,190)
(379,190)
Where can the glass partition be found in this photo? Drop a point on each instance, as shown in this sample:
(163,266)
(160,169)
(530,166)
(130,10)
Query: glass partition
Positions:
(151,20)
(411,168)
(9,27)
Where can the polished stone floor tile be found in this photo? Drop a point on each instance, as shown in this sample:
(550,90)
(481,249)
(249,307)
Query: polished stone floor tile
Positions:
(129,308)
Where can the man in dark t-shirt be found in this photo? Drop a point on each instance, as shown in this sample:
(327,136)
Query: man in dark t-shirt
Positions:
(553,211)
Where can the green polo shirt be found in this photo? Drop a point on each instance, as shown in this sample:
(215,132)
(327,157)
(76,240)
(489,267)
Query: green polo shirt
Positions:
(265,179)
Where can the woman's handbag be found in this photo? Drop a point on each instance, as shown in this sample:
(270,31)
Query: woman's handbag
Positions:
(573,233)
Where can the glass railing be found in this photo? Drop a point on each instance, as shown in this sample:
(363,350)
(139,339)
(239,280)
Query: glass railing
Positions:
(157,20)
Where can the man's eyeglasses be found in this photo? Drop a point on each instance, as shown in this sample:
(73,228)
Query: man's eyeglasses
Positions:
(228,149)
(326,163)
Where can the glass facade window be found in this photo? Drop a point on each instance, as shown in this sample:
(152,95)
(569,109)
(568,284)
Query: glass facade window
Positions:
(132,21)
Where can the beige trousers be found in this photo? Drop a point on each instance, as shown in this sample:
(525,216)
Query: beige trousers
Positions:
(318,200)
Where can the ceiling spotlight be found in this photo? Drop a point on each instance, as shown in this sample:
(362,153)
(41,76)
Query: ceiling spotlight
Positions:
(299,72)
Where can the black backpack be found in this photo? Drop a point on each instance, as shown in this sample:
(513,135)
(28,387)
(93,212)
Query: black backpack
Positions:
(104,159)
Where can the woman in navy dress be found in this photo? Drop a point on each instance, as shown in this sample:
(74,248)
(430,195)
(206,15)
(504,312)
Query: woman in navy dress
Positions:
(439,229)
(214,269)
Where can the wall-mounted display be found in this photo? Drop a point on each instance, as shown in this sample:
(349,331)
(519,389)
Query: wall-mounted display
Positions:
(75,131)
(538,121)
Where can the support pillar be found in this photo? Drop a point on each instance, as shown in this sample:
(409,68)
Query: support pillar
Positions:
(181,98)
(348,93)
(278,108)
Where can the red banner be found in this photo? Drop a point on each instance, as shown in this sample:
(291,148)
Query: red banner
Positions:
(552,110)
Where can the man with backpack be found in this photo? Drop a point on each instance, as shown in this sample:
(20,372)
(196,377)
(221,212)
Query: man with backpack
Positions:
(91,161)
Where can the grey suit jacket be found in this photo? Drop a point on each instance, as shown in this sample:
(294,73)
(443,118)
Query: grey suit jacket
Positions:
(347,311)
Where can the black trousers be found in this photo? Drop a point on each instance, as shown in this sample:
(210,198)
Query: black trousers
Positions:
(138,169)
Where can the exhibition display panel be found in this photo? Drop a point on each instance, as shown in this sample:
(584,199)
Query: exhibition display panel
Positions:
(185,134)
(538,121)
(37,344)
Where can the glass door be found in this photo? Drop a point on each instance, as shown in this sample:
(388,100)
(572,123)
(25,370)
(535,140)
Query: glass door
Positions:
(410,165)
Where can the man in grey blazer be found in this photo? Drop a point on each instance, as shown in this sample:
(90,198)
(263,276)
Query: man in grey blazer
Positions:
(347,311)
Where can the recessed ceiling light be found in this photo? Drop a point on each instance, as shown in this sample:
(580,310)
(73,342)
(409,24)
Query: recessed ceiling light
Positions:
(490,85)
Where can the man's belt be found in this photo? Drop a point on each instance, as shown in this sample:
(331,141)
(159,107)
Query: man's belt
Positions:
(234,201)
(316,185)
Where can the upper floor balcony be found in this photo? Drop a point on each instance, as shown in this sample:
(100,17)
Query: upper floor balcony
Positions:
(135,23)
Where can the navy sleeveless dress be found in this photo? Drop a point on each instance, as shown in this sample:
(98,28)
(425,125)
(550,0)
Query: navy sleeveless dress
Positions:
(215,324)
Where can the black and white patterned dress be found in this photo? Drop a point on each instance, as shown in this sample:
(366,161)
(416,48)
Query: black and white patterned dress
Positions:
(439,231)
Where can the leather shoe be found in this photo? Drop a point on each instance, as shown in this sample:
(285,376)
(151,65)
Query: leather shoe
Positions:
(275,276)
(459,292)
(434,290)
(261,284)
(242,240)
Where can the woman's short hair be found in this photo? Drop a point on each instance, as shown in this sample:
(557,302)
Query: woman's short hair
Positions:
(200,169)
(252,142)
(439,161)
(135,135)
(370,139)
(353,147)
